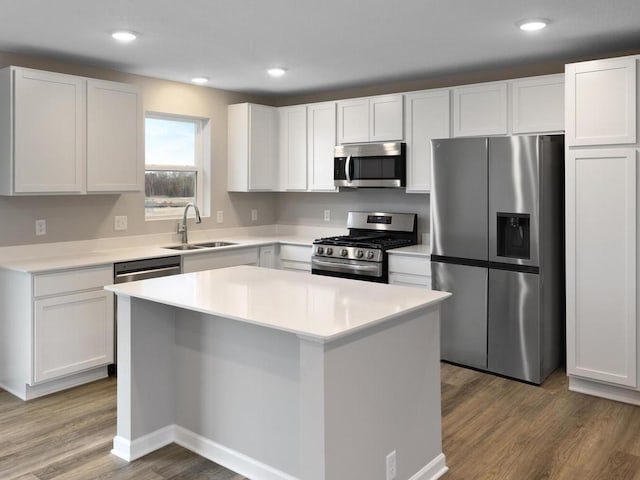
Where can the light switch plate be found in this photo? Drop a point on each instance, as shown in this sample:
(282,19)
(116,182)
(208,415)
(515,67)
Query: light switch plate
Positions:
(327,215)
(120,222)
(254,214)
(219,216)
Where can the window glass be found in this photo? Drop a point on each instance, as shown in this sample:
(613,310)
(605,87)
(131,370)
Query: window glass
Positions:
(174,164)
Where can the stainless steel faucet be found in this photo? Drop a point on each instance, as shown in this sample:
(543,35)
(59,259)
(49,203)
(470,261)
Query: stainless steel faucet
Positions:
(182,227)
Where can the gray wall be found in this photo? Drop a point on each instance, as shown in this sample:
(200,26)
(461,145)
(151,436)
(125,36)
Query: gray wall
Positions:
(91,216)
(308,208)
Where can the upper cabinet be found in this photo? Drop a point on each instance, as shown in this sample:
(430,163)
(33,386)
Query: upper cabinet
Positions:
(62,134)
(426,118)
(601,102)
(480,110)
(372,119)
(321,140)
(292,149)
(537,104)
(252,147)
(114,112)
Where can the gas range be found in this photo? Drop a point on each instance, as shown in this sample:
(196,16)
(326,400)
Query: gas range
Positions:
(362,254)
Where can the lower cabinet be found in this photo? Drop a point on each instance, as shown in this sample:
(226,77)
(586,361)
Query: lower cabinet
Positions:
(57,329)
(410,270)
(269,256)
(72,333)
(219,259)
(295,257)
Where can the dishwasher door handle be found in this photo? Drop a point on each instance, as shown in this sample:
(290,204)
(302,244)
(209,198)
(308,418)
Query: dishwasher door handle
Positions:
(144,274)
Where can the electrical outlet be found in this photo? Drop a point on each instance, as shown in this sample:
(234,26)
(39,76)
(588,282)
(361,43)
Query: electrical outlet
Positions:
(254,214)
(391,466)
(120,222)
(41,227)
(219,216)
(327,215)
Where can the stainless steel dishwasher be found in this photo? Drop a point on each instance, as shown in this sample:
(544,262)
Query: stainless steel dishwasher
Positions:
(132,271)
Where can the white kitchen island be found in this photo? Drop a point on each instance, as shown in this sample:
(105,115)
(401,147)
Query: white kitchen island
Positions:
(281,375)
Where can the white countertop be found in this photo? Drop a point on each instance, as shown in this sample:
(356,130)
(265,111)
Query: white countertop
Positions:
(315,306)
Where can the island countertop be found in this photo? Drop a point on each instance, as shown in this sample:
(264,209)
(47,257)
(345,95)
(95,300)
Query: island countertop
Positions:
(312,306)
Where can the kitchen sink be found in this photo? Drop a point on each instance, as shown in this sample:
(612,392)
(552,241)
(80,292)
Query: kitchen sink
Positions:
(184,247)
(213,244)
(199,246)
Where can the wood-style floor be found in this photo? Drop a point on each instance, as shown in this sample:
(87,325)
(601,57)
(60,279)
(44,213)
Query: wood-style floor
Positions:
(493,429)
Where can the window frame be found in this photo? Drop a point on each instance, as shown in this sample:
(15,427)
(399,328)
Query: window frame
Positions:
(201,167)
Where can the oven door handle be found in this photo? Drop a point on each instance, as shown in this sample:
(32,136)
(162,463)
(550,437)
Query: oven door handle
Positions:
(360,268)
(347,167)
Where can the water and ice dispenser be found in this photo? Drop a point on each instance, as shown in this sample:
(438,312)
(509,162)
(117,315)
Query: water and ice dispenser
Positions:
(514,239)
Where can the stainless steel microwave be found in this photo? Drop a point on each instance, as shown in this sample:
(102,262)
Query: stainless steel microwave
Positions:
(372,165)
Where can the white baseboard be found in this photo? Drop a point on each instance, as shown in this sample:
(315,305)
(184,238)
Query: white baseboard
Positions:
(602,390)
(204,447)
(39,390)
(433,470)
(129,451)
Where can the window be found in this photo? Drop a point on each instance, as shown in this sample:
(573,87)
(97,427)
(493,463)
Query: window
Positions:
(176,153)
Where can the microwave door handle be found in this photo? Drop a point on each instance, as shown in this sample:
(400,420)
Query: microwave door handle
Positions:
(347,167)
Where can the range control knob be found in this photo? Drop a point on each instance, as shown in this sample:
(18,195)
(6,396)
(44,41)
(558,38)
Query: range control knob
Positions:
(320,250)
(370,254)
(329,251)
(344,252)
(359,253)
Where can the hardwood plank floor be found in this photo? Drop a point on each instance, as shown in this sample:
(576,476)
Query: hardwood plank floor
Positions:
(493,428)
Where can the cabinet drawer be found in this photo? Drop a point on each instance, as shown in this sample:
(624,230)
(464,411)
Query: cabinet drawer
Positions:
(295,253)
(213,260)
(72,280)
(410,280)
(411,265)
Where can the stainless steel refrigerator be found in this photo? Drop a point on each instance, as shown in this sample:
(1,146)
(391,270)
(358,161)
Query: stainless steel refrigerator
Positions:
(497,242)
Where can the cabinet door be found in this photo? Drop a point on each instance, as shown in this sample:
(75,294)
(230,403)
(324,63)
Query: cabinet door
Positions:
(385,118)
(601,102)
(72,333)
(480,110)
(353,120)
(601,239)
(220,259)
(427,117)
(114,137)
(262,147)
(49,132)
(537,104)
(321,139)
(268,256)
(293,148)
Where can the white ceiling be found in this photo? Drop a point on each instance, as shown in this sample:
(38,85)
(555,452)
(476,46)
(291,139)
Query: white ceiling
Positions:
(325,44)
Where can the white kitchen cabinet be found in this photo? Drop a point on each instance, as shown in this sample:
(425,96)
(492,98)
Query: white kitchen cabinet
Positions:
(63,134)
(268,256)
(321,140)
(371,119)
(115,138)
(426,117)
(601,238)
(410,270)
(292,149)
(295,257)
(537,105)
(480,110)
(72,333)
(601,104)
(252,147)
(212,259)
(57,329)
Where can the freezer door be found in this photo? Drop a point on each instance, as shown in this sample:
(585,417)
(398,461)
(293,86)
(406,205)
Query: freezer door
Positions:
(463,324)
(514,325)
(459,198)
(513,200)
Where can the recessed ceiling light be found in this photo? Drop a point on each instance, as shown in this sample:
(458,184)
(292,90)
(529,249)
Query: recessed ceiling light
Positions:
(124,36)
(200,80)
(533,24)
(277,71)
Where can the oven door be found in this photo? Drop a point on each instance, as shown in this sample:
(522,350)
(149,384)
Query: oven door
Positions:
(344,268)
